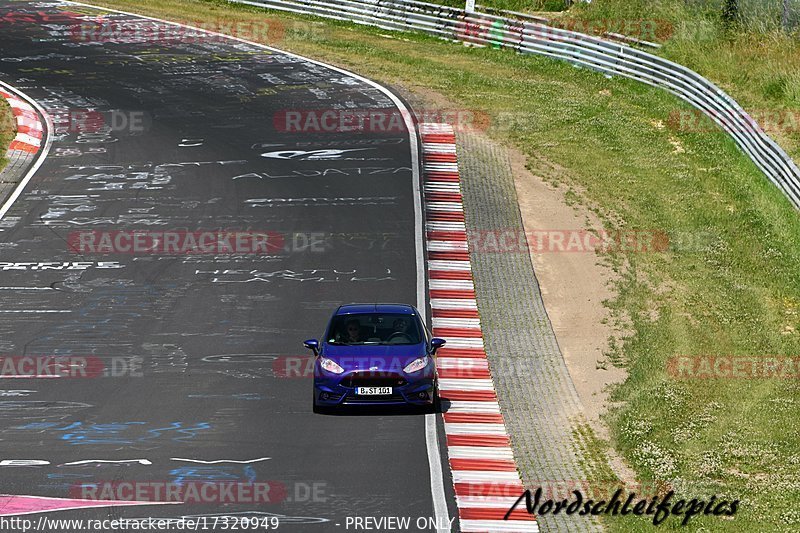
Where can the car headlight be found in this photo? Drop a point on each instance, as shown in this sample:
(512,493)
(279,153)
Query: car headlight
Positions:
(330,366)
(416,365)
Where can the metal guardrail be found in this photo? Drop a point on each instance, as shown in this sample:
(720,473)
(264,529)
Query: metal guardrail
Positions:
(608,57)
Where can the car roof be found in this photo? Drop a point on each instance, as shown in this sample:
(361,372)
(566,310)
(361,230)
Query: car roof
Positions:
(352,309)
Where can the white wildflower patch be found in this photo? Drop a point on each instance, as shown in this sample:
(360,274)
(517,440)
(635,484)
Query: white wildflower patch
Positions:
(660,461)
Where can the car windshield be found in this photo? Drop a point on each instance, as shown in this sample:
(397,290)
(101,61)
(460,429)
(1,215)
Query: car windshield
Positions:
(374,328)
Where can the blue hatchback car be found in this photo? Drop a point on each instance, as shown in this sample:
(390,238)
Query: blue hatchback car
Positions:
(375,354)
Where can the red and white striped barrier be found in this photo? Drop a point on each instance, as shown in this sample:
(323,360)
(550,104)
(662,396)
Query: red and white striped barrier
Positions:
(29,126)
(479,449)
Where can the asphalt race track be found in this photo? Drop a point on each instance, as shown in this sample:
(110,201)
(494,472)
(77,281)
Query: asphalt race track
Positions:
(190,355)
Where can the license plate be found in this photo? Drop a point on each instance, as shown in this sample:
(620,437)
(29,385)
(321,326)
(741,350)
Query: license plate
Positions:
(373,391)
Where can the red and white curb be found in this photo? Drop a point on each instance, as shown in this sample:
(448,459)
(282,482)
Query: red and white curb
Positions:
(29,126)
(479,449)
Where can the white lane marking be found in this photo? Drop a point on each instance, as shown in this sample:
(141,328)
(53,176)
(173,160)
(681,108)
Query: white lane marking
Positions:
(446,207)
(26,289)
(482,476)
(35,311)
(40,156)
(434,458)
(468,384)
(145,462)
(487,502)
(461,362)
(435,464)
(451,266)
(435,127)
(481,452)
(442,186)
(27,139)
(19,104)
(30,376)
(29,122)
(458,406)
(475,429)
(447,246)
(452,284)
(458,342)
(509,526)
(464,323)
(453,303)
(442,167)
(221,461)
(438,148)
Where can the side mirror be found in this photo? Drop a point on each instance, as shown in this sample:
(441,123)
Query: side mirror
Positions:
(437,343)
(312,344)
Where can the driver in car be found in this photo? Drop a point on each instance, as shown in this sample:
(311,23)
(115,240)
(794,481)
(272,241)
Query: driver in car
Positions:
(352,331)
(400,327)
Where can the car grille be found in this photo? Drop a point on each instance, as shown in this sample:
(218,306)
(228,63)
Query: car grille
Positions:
(373,379)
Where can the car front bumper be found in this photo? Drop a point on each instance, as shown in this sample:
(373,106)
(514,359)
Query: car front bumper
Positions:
(332,390)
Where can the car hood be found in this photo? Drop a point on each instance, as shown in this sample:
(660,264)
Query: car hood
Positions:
(385,358)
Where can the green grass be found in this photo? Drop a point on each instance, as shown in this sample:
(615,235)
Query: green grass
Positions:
(7,130)
(754,62)
(736,291)
(754,15)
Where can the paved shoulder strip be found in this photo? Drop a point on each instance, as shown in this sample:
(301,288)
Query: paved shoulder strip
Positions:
(479,449)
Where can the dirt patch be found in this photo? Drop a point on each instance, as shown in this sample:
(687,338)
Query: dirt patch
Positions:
(574,285)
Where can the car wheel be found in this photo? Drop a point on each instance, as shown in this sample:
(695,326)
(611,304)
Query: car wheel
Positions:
(434,407)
